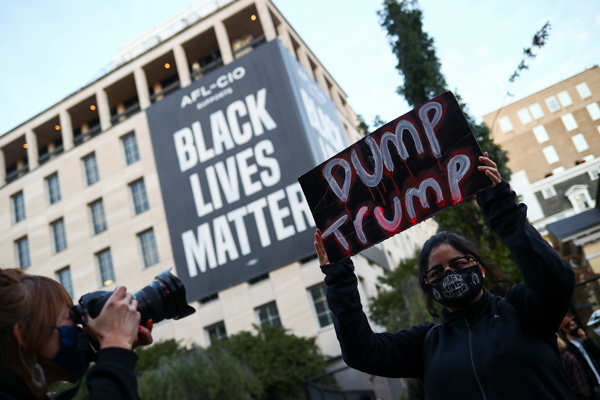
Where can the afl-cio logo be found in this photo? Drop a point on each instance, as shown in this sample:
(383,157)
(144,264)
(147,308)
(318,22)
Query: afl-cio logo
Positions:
(207,90)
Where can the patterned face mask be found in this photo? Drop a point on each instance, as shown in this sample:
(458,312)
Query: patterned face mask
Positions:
(457,288)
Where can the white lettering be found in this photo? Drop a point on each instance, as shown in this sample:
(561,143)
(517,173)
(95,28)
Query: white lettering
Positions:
(198,252)
(184,146)
(258,113)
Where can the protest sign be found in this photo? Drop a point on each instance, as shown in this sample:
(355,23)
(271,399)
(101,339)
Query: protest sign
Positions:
(398,176)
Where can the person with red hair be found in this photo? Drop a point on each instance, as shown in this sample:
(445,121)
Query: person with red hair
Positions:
(39,344)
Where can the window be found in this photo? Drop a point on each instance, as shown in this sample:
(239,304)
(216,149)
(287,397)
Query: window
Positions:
(536,111)
(53,188)
(138,194)
(216,331)
(569,121)
(64,277)
(130,148)
(584,90)
(564,98)
(594,111)
(552,104)
(579,197)
(18,207)
(505,124)
(524,116)
(91,169)
(148,247)
(268,314)
(105,264)
(550,154)
(548,192)
(540,133)
(98,218)
(59,238)
(321,307)
(579,142)
(22,246)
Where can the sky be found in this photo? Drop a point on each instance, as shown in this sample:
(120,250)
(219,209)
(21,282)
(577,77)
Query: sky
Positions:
(51,49)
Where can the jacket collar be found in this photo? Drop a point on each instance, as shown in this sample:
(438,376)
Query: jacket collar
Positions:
(471,313)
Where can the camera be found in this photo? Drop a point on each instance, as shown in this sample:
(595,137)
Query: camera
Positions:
(163,298)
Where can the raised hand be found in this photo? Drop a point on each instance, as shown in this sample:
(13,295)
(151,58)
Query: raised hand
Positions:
(320,248)
(489,168)
(117,323)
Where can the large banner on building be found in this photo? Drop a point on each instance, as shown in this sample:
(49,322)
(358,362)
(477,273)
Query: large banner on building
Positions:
(399,175)
(228,150)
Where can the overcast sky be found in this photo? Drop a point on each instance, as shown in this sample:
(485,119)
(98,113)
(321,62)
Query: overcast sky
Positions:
(52,48)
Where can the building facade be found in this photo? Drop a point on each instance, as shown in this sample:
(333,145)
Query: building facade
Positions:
(81,193)
(553,142)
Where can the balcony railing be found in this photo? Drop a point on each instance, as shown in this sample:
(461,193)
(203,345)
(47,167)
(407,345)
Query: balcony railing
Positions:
(165,91)
(134,108)
(207,68)
(14,175)
(93,131)
(47,156)
(251,44)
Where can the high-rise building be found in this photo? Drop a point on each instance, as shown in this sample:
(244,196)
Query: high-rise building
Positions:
(185,152)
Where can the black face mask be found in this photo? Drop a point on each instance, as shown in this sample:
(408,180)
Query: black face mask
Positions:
(457,288)
(70,357)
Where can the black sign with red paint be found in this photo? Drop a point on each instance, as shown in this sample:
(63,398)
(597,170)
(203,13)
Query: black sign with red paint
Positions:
(398,176)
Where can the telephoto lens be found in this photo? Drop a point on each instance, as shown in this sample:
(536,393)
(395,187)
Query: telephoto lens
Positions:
(164,298)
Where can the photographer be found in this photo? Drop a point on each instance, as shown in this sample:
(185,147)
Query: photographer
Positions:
(39,342)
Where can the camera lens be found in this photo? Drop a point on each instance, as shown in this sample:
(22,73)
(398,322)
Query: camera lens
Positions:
(164,298)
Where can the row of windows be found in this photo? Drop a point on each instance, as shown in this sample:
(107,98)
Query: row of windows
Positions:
(90,169)
(147,244)
(269,314)
(146,240)
(534,111)
(139,199)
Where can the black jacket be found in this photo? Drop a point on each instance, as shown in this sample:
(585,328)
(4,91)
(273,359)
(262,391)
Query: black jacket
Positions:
(111,378)
(500,348)
(594,354)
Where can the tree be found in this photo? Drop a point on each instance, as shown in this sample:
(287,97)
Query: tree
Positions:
(149,358)
(282,362)
(197,373)
(362,126)
(423,79)
(403,305)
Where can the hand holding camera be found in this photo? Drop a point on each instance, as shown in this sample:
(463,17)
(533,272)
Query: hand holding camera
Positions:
(117,324)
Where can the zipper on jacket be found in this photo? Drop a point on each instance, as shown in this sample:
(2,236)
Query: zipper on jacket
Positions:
(473,362)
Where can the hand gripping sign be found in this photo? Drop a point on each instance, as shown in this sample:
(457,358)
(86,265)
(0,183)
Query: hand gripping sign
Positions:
(398,176)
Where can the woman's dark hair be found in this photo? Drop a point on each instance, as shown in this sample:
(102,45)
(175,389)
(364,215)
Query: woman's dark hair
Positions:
(466,247)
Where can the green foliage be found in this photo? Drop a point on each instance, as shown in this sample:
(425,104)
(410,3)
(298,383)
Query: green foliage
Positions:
(378,122)
(414,50)
(282,362)
(362,126)
(403,305)
(200,374)
(150,357)
(423,79)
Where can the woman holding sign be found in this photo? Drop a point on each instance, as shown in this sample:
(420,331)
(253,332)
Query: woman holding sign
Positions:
(486,347)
